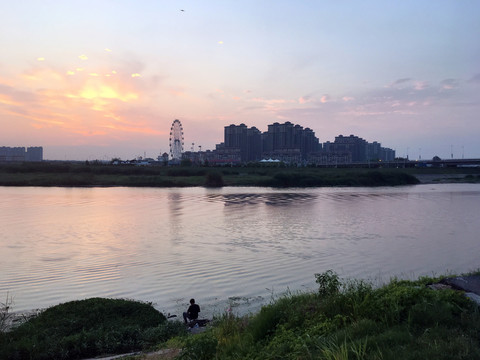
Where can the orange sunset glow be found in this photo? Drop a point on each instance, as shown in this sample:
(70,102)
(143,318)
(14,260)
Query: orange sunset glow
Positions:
(113,88)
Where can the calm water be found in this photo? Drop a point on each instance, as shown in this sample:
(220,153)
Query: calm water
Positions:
(229,248)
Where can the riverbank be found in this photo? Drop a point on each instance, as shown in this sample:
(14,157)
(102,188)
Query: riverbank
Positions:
(79,174)
(460,177)
(428,318)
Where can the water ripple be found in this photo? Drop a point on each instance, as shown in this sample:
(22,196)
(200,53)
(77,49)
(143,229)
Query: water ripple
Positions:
(229,247)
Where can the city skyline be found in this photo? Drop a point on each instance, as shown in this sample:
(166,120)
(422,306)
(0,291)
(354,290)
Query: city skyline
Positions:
(106,80)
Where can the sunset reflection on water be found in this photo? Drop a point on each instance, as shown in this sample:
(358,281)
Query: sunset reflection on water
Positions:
(225,247)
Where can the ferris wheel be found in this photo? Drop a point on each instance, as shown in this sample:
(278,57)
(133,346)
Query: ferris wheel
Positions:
(176,140)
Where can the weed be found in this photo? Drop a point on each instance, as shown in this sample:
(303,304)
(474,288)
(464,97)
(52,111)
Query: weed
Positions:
(328,283)
(333,351)
(5,314)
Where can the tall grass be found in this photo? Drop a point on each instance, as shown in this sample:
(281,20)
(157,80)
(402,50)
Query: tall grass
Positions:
(5,313)
(350,320)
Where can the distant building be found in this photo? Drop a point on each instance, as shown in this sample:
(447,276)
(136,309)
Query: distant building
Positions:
(387,154)
(247,140)
(352,144)
(359,149)
(375,152)
(289,143)
(223,155)
(330,158)
(34,153)
(12,153)
(19,154)
(285,142)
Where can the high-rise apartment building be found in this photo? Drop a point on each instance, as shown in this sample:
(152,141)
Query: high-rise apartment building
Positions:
(286,142)
(352,144)
(289,141)
(248,140)
(294,144)
(359,149)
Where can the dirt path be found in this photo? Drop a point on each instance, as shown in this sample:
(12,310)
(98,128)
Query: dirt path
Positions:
(164,354)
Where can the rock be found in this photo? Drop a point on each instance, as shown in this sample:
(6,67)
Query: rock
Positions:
(469,283)
(473,297)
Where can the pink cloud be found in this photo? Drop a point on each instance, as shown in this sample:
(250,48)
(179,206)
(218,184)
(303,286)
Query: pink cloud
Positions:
(270,101)
(325,98)
(421,85)
(304,99)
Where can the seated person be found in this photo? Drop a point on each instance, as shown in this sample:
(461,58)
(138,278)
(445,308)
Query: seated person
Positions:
(192,312)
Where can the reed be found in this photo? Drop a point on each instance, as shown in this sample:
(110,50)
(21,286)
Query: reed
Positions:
(78,174)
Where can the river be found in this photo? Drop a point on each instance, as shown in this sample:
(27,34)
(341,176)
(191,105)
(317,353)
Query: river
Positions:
(233,249)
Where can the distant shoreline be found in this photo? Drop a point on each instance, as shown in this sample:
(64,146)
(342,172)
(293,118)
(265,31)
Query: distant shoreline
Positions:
(101,175)
(445,178)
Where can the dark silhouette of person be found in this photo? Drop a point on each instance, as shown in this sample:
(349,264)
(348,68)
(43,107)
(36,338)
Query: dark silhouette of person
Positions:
(192,312)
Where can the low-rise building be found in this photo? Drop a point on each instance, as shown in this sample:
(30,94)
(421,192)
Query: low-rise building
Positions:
(19,154)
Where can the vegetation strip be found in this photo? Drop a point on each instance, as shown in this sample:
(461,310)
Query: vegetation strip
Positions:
(97,174)
(344,319)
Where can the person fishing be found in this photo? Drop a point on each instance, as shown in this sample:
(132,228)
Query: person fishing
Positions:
(192,312)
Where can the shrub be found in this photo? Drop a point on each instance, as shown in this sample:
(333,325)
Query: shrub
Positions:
(328,283)
(88,328)
(265,322)
(214,179)
(200,347)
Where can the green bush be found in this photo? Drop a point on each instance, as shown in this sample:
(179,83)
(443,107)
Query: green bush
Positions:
(214,179)
(88,328)
(200,347)
(265,322)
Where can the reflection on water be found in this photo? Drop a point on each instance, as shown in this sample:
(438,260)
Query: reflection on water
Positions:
(230,247)
(276,199)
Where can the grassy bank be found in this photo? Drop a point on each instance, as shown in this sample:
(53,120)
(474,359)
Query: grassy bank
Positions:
(342,320)
(80,174)
(349,320)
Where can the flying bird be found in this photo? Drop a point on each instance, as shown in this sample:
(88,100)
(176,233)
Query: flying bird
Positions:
(182,10)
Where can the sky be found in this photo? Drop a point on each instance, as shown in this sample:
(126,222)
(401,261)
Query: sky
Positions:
(102,79)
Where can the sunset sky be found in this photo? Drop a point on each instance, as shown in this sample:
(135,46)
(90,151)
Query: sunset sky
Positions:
(102,79)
